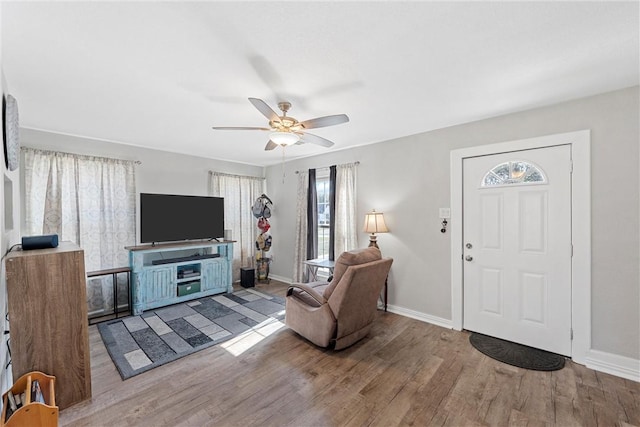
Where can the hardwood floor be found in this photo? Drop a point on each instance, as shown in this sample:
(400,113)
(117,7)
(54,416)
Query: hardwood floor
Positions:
(405,372)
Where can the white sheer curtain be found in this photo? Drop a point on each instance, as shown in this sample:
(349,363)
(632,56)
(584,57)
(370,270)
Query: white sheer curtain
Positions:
(346,237)
(86,200)
(300,254)
(239,193)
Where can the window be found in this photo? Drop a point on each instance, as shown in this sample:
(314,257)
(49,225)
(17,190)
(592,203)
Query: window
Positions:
(343,212)
(324,215)
(90,201)
(516,172)
(239,192)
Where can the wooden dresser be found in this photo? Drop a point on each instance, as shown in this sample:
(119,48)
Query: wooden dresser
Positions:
(48,324)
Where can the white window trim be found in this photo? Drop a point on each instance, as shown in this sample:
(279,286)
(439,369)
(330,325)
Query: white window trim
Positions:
(580,143)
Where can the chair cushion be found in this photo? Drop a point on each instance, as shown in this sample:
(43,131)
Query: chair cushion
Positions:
(346,259)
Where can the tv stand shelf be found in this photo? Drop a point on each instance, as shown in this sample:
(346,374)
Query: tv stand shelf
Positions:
(164,274)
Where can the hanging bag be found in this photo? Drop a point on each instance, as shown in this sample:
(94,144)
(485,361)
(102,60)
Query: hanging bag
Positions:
(261,207)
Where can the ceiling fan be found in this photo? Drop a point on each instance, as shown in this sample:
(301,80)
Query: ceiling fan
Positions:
(286,130)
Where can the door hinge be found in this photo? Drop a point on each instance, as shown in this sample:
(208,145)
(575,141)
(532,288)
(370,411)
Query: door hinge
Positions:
(571,166)
(571,333)
(572,251)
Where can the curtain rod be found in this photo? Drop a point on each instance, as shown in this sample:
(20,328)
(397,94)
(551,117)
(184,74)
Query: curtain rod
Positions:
(327,167)
(85,156)
(237,176)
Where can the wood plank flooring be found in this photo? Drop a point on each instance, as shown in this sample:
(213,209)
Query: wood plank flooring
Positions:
(405,372)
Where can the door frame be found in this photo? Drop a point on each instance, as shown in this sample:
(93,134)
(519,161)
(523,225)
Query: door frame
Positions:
(580,142)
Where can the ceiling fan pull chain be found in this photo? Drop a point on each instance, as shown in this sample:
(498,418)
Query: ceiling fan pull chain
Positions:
(283,147)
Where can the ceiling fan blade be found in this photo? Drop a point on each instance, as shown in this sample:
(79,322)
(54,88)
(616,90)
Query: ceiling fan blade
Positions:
(314,139)
(270,146)
(265,109)
(237,128)
(325,121)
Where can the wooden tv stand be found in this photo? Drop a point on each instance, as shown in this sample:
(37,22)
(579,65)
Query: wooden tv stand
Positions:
(180,279)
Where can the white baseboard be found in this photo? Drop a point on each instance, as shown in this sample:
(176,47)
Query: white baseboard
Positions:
(438,321)
(286,280)
(620,366)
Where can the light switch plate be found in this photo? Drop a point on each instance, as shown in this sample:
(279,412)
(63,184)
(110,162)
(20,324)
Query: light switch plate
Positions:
(445,213)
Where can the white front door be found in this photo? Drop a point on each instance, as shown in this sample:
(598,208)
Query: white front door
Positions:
(517,237)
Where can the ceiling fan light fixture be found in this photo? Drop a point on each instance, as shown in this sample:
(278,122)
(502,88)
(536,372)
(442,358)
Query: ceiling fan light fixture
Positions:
(284,138)
(285,130)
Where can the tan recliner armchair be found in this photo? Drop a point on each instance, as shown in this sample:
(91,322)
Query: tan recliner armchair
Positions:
(341,312)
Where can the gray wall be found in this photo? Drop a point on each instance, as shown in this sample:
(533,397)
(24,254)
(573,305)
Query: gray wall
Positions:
(160,171)
(408,180)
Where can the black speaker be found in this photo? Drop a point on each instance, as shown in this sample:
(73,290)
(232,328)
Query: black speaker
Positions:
(247,277)
(40,242)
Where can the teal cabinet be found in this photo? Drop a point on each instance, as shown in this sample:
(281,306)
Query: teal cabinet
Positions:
(159,283)
(161,273)
(214,274)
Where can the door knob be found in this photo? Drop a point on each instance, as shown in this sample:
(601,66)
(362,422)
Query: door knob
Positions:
(468,258)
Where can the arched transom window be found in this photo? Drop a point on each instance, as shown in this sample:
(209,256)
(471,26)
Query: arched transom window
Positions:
(515,172)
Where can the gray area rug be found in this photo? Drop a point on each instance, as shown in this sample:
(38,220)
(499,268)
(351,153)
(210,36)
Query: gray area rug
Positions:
(137,344)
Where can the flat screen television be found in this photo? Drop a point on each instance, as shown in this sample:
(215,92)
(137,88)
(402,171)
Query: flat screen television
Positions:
(169,218)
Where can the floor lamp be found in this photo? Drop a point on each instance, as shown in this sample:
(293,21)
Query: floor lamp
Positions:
(374,223)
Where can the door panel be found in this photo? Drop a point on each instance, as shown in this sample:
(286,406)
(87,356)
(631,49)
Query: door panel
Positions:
(517,272)
(491,291)
(533,294)
(491,221)
(533,213)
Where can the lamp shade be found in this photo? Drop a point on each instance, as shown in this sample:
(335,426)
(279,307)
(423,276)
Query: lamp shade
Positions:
(374,223)
(284,138)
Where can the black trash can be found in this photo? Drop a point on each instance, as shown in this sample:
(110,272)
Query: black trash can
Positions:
(247,277)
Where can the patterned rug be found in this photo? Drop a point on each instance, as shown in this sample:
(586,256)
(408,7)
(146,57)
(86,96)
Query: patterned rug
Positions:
(516,354)
(137,344)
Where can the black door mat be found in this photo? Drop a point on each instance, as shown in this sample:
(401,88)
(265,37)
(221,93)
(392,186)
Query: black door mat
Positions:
(517,354)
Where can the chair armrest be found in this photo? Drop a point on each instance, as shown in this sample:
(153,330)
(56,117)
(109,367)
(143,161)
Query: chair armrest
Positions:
(308,289)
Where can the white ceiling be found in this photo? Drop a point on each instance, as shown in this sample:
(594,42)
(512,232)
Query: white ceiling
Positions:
(160,74)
